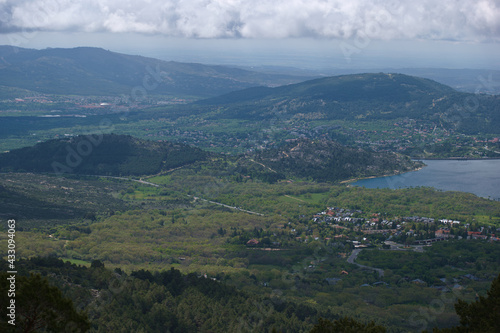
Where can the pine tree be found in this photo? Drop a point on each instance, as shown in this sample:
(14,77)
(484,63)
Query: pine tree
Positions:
(481,316)
(40,307)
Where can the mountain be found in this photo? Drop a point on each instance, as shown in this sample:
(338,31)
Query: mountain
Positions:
(371,97)
(95,71)
(465,80)
(356,88)
(324,160)
(111,155)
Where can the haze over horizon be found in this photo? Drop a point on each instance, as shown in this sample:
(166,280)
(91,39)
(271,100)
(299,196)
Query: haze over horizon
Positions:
(305,34)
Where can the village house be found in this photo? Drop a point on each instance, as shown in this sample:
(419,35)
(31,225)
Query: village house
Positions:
(475,235)
(443,233)
(252,242)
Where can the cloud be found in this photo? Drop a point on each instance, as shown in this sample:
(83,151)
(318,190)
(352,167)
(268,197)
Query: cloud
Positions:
(460,20)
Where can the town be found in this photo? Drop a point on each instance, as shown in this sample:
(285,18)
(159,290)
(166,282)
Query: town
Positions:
(359,229)
(416,138)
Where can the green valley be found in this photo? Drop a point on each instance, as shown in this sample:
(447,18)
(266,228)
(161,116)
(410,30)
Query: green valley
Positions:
(299,249)
(155,196)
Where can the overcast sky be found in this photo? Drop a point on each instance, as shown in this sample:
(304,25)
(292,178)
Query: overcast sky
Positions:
(311,33)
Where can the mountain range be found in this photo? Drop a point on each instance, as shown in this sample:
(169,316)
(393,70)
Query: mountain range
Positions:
(95,71)
(246,104)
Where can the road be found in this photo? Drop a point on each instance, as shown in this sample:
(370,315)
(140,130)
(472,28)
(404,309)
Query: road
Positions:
(227,206)
(196,198)
(353,257)
(129,179)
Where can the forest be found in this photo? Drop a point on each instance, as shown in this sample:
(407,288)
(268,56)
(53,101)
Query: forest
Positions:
(103,154)
(57,296)
(138,230)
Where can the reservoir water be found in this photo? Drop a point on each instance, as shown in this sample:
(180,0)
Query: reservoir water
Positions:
(481,177)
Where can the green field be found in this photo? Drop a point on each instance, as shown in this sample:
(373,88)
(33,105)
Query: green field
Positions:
(77,262)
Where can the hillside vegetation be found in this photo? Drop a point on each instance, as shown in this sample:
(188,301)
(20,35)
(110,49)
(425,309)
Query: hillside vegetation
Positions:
(366,97)
(95,71)
(122,155)
(323,160)
(107,155)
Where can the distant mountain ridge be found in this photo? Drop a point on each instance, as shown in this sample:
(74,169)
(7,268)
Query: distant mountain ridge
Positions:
(95,71)
(344,88)
(464,80)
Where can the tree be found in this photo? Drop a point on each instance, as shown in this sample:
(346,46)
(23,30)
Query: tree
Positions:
(40,307)
(481,316)
(97,264)
(346,325)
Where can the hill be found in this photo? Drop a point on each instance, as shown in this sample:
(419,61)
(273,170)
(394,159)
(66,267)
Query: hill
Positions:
(345,88)
(120,155)
(324,160)
(465,80)
(95,71)
(368,97)
(111,155)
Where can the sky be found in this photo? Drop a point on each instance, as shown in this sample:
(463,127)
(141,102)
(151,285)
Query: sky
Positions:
(299,33)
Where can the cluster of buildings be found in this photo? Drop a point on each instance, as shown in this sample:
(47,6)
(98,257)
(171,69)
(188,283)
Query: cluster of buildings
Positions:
(334,214)
(373,224)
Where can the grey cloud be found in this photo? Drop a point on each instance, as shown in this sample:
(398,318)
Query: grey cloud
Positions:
(463,20)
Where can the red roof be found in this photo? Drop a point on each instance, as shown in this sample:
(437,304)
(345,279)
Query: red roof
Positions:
(252,242)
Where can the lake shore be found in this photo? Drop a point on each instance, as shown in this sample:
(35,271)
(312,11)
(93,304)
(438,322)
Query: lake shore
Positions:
(479,177)
(382,176)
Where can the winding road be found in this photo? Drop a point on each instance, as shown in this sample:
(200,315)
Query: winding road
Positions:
(353,257)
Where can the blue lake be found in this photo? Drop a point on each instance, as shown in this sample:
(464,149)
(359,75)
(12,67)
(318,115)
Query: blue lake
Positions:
(481,177)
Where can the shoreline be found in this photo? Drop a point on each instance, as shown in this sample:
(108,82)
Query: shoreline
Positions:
(485,190)
(352,180)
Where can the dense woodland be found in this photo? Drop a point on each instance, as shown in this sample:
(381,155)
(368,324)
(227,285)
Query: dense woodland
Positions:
(105,154)
(56,296)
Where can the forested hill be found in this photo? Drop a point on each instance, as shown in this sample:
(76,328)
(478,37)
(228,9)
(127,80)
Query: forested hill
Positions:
(107,154)
(95,71)
(123,155)
(345,88)
(362,97)
(324,160)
